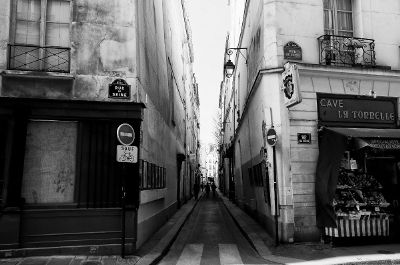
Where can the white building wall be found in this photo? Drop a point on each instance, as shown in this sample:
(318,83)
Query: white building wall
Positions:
(302,22)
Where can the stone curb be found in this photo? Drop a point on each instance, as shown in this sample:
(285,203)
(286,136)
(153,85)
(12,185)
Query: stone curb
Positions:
(70,260)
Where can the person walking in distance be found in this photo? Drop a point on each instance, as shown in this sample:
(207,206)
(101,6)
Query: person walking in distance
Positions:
(214,187)
(207,189)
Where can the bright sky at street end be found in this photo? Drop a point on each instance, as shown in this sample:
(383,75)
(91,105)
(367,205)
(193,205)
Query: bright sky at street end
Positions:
(209,23)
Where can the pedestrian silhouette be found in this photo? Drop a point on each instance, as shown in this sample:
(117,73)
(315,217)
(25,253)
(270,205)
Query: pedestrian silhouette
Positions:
(207,189)
(214,187)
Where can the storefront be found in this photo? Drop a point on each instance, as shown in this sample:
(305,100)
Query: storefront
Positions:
(358,171)
(61,183)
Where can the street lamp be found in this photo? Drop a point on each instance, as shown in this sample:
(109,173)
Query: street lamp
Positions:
(229,67)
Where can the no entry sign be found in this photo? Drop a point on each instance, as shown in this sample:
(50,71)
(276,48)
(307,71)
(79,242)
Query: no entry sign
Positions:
(125,134)
(271,137)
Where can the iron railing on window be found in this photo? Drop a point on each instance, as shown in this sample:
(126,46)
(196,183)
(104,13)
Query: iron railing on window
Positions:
(346,51)
(36,58)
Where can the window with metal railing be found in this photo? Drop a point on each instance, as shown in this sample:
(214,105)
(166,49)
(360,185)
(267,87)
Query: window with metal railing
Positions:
(346,51)
(40,36)
(36,58)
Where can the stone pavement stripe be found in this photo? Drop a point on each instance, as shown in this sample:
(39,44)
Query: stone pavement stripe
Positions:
(191,255)
(13,261)
(60,260)
(77,260)
(229,254)
(359,259)
(35,261)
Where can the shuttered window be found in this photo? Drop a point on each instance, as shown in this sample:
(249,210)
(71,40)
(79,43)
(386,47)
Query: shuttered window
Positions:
(338,17)
(42,22)
(41,35)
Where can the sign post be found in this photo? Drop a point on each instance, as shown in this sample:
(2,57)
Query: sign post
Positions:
(272,140)
(126,153)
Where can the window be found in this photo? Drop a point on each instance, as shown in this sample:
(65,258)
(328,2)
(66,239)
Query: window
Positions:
(338,18)
(49,166)
(151,176)
(41,35)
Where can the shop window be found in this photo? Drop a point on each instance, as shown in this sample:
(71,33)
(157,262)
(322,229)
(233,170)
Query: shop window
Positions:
(366,190)
(338,18)
(41,36)
(49,164)
(151,176)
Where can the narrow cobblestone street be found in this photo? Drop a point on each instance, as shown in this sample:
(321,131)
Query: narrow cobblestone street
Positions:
(211,237)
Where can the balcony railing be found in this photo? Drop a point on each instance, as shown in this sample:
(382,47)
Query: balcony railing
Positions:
(36,58)
(346,51)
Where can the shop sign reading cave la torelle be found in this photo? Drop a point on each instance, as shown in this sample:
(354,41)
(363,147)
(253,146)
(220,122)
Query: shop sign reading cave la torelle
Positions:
(359,111)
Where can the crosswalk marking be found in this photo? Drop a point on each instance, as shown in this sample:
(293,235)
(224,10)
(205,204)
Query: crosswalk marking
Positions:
(229,254)
(191,255)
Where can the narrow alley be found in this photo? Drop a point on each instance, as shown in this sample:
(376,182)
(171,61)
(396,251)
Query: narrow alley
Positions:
(210,236)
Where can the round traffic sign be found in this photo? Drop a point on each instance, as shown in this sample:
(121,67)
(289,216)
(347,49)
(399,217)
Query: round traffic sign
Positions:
(125,134)
(271,137)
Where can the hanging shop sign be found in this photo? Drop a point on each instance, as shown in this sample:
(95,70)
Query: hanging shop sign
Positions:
(119,89)
(353,111)
(304,138)
(292,51)
(290,85)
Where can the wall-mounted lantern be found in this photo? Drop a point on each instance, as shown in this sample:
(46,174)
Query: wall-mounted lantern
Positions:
(229,66)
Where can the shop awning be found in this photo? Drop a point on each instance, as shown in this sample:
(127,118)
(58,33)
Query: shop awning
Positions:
(388,139)
(385,144)
(367,132)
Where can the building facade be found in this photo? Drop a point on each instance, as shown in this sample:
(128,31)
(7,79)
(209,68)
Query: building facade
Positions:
(210,163)
(324,75)
(71,73)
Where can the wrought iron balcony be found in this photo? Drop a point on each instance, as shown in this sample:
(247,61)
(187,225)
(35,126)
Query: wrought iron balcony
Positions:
(36,58)
(346,51)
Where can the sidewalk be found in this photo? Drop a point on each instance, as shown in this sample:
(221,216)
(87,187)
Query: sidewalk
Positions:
(296,253)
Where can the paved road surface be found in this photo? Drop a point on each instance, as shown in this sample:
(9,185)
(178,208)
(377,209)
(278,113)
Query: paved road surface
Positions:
(211,237)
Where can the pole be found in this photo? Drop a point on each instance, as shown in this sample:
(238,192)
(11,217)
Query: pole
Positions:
(276,197)
(123,214)
(275,186)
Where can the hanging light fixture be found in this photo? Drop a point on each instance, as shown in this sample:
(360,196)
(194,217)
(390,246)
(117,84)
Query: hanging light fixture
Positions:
(229,66)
